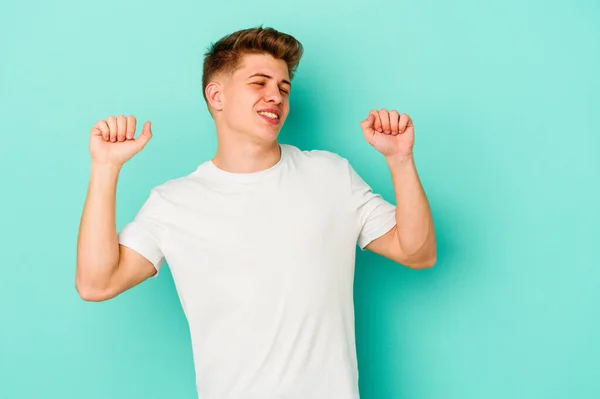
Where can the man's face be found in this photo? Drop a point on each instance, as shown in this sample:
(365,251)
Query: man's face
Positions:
(256,97)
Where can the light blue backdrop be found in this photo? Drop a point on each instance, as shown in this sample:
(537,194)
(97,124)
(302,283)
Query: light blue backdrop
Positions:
(505,100)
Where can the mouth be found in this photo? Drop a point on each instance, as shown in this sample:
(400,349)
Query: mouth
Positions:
(270,116)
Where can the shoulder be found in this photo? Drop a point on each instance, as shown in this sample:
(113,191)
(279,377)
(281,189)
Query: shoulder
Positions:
(172,185)
(178,188)
(317,158)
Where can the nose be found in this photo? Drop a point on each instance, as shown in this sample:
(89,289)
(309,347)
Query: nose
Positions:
(273,95)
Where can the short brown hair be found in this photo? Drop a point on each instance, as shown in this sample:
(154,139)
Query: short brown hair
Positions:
(225,55)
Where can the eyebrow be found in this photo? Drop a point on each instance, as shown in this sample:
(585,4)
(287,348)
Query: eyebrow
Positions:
(262,75)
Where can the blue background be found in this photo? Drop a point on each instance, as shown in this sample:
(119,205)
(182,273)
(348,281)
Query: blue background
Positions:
(505,101)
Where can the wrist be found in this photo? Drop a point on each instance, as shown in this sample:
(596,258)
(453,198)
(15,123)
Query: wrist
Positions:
(105,168)
(398,160)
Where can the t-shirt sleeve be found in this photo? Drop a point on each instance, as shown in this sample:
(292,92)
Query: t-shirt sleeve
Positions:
(375,215)
(145,233)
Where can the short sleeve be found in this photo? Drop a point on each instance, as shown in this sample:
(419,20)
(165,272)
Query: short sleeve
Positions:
(375,215)
(145,233)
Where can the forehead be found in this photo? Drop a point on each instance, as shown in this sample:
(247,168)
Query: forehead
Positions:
(262,63)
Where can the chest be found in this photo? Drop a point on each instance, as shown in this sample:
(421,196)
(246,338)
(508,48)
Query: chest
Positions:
(256,224)
(253,246)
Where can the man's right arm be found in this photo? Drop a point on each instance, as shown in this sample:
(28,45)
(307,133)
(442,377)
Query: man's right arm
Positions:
(105,268)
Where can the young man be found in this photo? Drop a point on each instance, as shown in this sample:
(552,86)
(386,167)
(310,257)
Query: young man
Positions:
(261,239)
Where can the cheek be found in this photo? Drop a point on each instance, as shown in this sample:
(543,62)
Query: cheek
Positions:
(244,102)
(287,107)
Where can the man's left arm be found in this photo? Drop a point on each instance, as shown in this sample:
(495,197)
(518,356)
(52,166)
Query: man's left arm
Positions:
(412,241)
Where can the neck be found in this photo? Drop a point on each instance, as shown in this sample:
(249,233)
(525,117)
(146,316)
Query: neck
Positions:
(246,157)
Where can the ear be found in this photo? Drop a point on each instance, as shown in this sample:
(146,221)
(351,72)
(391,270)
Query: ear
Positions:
(214,95)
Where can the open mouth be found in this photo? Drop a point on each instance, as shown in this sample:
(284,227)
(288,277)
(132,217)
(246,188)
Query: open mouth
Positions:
(270,117)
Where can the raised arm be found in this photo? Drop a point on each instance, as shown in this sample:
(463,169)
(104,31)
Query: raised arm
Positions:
(412,241)
(104,268)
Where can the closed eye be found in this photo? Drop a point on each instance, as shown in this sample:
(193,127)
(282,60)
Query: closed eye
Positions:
(262,84)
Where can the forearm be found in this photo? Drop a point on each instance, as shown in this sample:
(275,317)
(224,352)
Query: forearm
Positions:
(97,246)
(415,230)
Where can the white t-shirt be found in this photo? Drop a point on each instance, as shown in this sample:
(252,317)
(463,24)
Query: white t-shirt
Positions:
(263,264)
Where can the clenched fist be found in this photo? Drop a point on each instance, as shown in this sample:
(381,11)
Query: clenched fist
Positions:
(390,133)
(112,140)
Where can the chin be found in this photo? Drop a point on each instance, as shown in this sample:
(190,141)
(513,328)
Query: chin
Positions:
(261,131)
(262,135)
(269,135)
(267,132)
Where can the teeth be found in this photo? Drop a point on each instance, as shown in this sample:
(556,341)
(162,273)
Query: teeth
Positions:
(269,115)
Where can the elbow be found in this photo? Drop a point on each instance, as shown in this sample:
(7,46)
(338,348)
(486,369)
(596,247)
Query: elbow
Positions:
(424,258)
(424,263)
(89,292)
(427,264)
